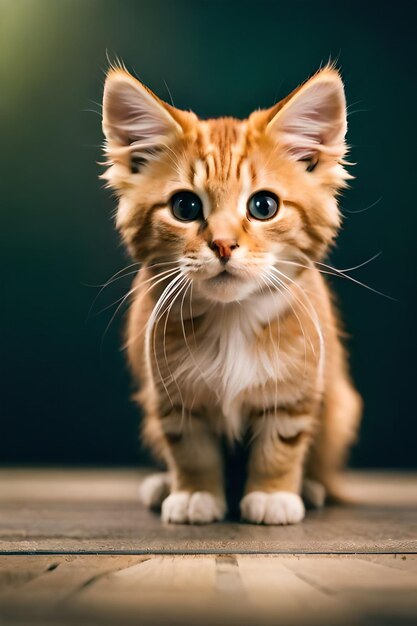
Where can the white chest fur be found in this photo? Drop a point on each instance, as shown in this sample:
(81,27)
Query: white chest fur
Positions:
(228,358)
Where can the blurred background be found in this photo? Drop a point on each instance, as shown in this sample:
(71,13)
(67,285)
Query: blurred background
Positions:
(65,387)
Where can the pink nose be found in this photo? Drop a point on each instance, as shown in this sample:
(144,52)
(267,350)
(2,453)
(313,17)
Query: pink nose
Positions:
(224,248)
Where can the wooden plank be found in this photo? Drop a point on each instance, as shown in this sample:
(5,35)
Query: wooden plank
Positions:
(98,511)
(374,587)
(272,588)
(51,581)
(16,572)
(332,587)
(406,562)
(346,574)
(203,590)
(164,589)
(129,528)
(44,511)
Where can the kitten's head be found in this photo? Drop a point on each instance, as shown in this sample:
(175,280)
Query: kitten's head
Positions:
(226,199)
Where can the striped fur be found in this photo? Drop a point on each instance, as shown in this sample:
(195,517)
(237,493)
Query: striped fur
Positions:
(256,352)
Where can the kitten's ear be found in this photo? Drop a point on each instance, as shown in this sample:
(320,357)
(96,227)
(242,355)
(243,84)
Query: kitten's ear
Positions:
(312,119)
(135,117)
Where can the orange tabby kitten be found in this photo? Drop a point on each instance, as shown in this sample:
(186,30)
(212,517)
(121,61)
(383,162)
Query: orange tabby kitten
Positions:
(231,329)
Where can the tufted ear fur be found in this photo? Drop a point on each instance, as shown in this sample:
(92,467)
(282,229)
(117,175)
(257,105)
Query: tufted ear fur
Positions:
(312,120)
(132,114)
(136,123)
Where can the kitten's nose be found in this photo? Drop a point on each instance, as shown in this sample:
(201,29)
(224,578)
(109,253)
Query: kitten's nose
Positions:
(224,248)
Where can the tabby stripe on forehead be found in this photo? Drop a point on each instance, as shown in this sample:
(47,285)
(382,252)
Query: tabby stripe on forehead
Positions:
(252,172)
(242,153)
(223,136)
(229,155)
(211,165)
(199,179)
(239,164)
(198,173)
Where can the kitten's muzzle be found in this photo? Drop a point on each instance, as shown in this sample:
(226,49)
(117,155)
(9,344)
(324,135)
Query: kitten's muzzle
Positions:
(224,248)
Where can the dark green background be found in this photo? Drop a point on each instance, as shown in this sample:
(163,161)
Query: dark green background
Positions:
(65,389)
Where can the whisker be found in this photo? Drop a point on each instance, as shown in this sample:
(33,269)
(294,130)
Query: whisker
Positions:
(195,343)
(371,206)
(166,274)
(314,318)
(118,276)
(114,275)
(276,351)
(285,288)
(129,293)
(178,289)
(158,314)
(192,314)
(356,267)
(136,337)
(332,271)
(150,326)
(105,285)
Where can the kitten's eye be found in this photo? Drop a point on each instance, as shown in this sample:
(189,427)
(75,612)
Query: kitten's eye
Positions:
(186,206)
(263,205)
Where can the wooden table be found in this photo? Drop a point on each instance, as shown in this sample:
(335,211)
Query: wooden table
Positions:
(76,547)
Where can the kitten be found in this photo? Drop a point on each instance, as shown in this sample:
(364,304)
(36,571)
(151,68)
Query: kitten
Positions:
(231,328)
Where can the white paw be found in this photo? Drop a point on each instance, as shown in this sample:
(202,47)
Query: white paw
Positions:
(278,507)
(154,489)
(200,507)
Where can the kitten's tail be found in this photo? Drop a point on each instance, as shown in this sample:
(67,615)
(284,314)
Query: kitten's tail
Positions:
(316,494)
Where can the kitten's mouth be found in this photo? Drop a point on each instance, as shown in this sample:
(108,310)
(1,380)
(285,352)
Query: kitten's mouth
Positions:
(222,277)
(227,286)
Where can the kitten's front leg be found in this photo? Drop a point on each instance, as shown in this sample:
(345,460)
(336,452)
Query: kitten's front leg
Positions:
(275,470)
(194,458)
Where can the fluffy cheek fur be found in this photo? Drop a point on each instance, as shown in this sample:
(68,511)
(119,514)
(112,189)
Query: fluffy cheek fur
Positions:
(305,225)
(155,236)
